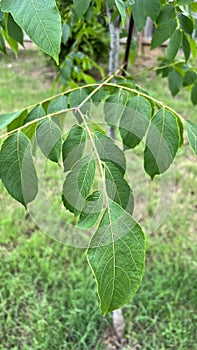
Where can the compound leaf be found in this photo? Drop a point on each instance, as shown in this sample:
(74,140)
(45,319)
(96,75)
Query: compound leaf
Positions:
(17,170)
(116,255)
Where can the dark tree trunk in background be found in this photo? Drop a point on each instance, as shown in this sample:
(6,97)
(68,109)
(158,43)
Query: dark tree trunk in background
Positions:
(128,45)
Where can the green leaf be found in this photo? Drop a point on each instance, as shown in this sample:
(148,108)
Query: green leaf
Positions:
(58,104)
(91,211)
(6,119)
(121,9)
(184,2)
(186,23)
(17,122)
(189,78)
(153,9)
(167,13)
(186,47)
(78,184)
(163,32)
(40,19)
(73,146)
(118,188)
(65,33)
(114,106)
(14,30)
(17,170)
(2,44)
(139,14)
(162,142)
(48,136)
(194,94)
(175,82)
(134,121)
(81,7)
(12,43)
(174,44)
(192,134)
(116,255)
(193,6)
(108,151)
(75,98)
(36,113)
(193,47)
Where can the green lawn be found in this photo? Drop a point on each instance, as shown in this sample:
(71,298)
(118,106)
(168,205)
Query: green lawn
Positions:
(47,293)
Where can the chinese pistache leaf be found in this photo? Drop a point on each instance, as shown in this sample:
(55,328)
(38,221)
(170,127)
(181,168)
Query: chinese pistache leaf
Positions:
(14,30)
(91,211)
(114,106)
(185,46)
(116,255)
(75,98)
(36,113)
(186,23)
(58,104)
(73,146)
(192,134)
(175,80)
(2,44)
(139,14)
(134,121)
(118,188)
(162,142)
(189,78)
(121,9)
(174,45)
(78,184)
(41,21)
(163,32)
(65,33)
(17,170)
(81,7)
(194,94)
(108,151)
(6,119)
(48,136)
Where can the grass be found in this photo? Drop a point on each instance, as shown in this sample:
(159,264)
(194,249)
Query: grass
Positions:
(47,293)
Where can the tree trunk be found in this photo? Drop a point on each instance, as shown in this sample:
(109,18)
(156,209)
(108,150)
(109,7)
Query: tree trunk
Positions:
(114,28)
